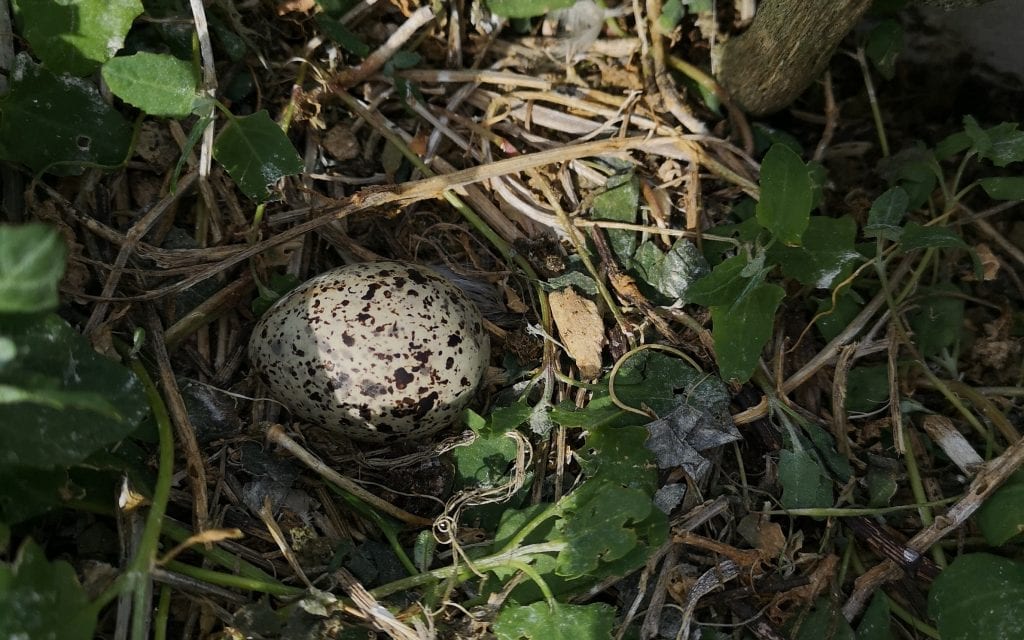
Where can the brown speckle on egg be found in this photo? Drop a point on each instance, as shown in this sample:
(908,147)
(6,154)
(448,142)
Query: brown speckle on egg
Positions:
(402,362)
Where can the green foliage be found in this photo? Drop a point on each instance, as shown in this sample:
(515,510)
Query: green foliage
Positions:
(58,123)
(804,484)
(786,193)
(256,153)
(619,204)
(526,8)
(827,255)
(742,328)
(40,599)
(555,621)
(938,320)
(886,214)
(979,596)
(825,621)
(671,273)
(158,84)
(1001,145)
(884,43)
(31,266)
(75,36)
(1001,517)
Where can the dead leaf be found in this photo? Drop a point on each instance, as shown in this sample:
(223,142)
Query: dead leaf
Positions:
(989,263)
(295,6)
(763,534)
(582,331)
(340,143)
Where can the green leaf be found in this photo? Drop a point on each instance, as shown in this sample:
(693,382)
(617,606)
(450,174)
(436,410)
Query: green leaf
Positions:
(48,119)
(485,461)
(26,492)
(672,12)
(75,36)
(847,306)
(867,388)
(539,621)
(938,319)
(979,596)
(722,286)
(1001,517)
(741,330)
(157,83)
(40,599)
(875,624)
(256,153)
(952,145)
(916,236)
(672,273)
(60,400)
(913,168)
(526,8)
(883,46)
(886,214)
(804,483)
(825,621)
(826,256)
(617,454)
(619,203)
(31,266)
(1001,144)
(786,193)
(348,39)
(596,525)
(1003,188)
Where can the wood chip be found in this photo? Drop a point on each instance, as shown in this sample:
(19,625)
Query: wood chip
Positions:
(582,331)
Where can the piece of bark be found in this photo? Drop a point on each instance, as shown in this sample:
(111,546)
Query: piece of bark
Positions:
(581,329)
(787,46)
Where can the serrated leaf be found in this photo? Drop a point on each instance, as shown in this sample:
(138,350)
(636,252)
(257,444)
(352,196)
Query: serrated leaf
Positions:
(804,483)
(617,454)
(883,46)
(597,526)
(1001,517)
(619,203)
(826,256)
(50,119)
(526,8)
(1001,144)
(786,195)
(40,599)
(31,266)
(157,83)
(916,236)
(886,214)
(539,621)
(256,153)
(61,400)
(979,596)
(741,330)
(75,36)
(1011,188)
(485,461)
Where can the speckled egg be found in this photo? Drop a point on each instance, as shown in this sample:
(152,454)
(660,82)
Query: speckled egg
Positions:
(380,350)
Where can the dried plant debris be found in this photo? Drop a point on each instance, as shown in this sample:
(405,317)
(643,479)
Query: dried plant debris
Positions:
(747,377)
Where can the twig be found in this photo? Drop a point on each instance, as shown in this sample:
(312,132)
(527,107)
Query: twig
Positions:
(990,478)
(277,436)
(373,62)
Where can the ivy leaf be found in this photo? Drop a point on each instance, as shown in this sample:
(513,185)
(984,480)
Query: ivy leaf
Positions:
(741,330)
(886,214)
(40,599)
(256,153)
(786,195)
(31,266)
(671,273)
(158,84)
(979,596)
(804,483)
(617,454)
(540,621)
(619,203)
(826,256)
(59,399)
(49,119)
(75,36)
